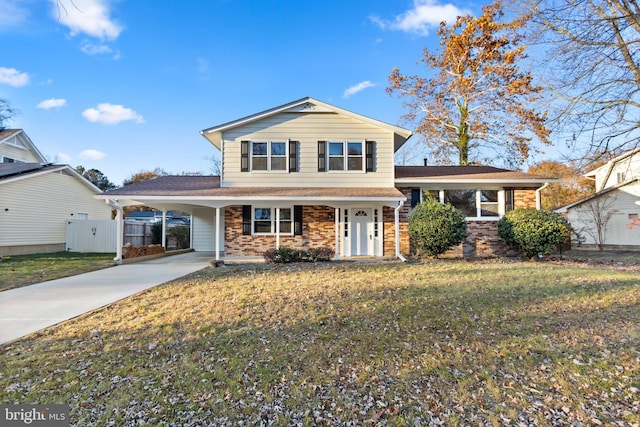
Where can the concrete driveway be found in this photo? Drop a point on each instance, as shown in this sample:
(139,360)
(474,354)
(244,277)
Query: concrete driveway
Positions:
(31,308)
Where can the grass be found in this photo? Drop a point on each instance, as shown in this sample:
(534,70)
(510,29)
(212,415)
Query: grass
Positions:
(22,270)
(433,343)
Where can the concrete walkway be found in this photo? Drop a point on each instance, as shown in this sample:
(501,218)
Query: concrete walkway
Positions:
(31,308)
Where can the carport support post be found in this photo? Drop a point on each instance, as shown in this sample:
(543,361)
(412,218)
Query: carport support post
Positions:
(217,234)
(336,216)
(164,230)
(119,235)
(277,228)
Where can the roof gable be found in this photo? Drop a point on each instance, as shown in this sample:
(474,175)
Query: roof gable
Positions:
(11,172)
(18,138)
(304,106)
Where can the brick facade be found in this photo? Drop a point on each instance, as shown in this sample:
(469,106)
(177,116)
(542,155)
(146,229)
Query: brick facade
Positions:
(482,238)
(318,230)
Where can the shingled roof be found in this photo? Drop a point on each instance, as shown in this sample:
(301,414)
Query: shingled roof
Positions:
(464,173)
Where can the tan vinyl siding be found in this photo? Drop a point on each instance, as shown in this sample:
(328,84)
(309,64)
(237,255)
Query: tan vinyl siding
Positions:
(308,129)
(204,223)
(35,210)
(22,154)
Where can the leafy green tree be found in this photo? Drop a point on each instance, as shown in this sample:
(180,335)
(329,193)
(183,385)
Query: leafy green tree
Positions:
(96,177)
(435,228)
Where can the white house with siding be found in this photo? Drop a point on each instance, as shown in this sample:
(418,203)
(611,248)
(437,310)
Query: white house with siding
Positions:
(37,199)
(308,174)
(610,217)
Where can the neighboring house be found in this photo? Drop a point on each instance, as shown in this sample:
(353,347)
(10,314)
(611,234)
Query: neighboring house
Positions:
(309,174)
(609,218)
(37,198)
(172,218)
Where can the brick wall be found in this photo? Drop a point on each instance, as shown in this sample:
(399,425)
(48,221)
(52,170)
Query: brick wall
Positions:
(524,198)
(317,231)
(482,241)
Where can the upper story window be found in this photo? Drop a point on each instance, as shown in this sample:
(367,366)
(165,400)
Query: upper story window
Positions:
(269,156)
(349,156)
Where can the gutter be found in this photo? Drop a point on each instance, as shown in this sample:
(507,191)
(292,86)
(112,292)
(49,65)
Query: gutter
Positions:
(539,196)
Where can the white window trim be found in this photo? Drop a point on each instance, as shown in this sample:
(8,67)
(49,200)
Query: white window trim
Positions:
(273,213)
(269,156)
(345,156)
(501,203)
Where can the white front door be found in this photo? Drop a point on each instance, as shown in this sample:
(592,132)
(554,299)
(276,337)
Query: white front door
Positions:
(361,232)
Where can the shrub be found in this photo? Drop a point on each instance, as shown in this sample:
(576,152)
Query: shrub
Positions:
(534,232)
(320,254)
(286,255)
(156,233)
(435,228)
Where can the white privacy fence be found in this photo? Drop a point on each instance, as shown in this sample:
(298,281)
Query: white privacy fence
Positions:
(91,236)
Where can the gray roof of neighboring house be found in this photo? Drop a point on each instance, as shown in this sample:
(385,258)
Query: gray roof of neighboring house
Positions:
(13,169)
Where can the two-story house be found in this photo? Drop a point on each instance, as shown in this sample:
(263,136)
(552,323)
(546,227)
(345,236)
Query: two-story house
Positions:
(38,199)
(610,217)
(309,174)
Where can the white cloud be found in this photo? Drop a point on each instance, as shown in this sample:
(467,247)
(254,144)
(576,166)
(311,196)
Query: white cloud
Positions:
(12,14)
(63,158)
(357,88)
(90,17)
(111,114)
(425,15)
(13,77)
(92,155)
(52,103)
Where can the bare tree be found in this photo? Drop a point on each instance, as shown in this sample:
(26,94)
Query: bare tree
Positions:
(592,66)
(593,217)
(7,112)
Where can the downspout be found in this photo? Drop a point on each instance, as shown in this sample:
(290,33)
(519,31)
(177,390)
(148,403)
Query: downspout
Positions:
(539,196)
(397,226)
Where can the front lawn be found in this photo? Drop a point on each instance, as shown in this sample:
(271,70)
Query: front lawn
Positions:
(434,343)
(22,270)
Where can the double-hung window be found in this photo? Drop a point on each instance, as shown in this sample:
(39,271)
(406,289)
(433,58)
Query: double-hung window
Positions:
(265,220)
(346,156)
(269,156)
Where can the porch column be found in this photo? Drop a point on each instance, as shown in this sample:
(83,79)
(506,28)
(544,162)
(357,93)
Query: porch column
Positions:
(191,231)
(217,234)
(164,230)
(336,216)
(277,228)
(119,235)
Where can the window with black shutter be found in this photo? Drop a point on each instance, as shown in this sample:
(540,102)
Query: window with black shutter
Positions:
(322,156)
(246,220)
(297,220)
(244,156)
(293,156)
(370,156)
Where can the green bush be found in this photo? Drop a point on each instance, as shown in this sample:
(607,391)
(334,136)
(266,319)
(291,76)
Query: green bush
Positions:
(435,228)
(535,232)
(286,255)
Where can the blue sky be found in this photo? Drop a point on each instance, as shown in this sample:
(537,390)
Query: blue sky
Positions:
(126,85)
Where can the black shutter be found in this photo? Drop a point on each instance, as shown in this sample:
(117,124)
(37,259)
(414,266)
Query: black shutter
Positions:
(293,156)
(297,220)
(322,156)
(246,220)
(244,156)
(370,156)
(415,197)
